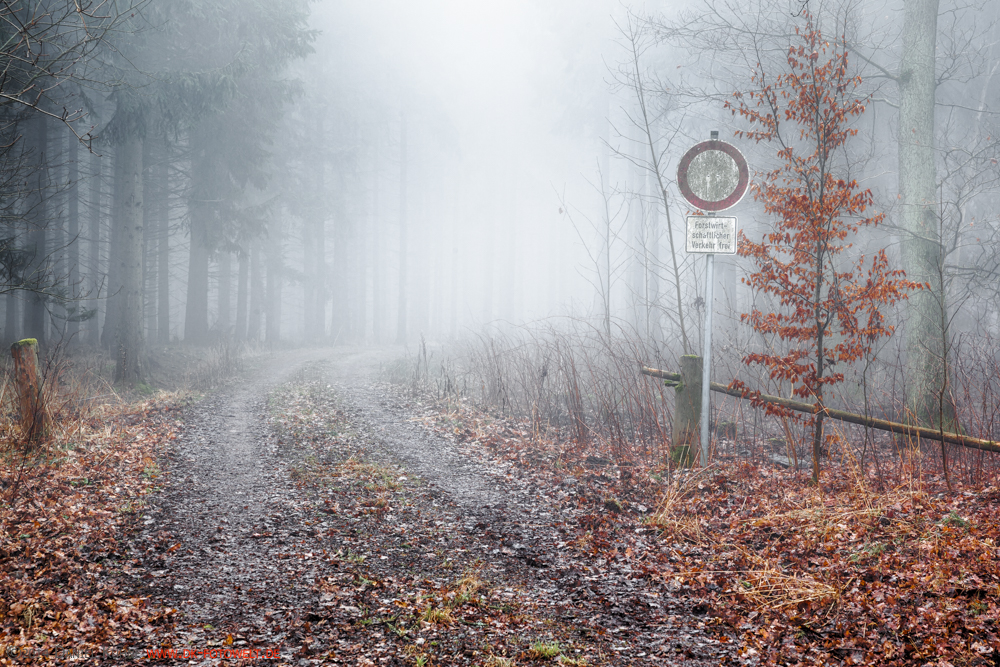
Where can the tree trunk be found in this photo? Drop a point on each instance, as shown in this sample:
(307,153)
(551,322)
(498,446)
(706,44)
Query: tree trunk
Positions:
(308,278)
(926,337)
(12,312)
(655,331)
(376,248)
(163,246)
(73,258)
(512,270)
(150,196)
(639,315)
(56,224)
(225,292)
(34,304)
(453,241)
(401,296)
(196,310)
(687,411)
(111,303)
(489,252)
(200,211)
(242,287)
(275,267)
(256,292)
(128,338)
(360,275)
(10,328)
(94,283)
(318,303)
(341,280)
(35,421)
(314,255)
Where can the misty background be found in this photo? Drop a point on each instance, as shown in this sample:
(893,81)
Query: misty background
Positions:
(500,175)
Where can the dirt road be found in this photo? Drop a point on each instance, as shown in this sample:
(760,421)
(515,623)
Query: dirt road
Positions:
(311,517)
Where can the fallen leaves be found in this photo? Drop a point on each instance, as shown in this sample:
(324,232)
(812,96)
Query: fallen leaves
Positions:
(357,558)
(63,531)
(793,574)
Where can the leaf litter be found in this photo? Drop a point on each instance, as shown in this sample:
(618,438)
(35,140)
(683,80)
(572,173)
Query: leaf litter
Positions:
(322,535)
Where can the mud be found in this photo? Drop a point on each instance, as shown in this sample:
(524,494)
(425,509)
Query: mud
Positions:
(214,544)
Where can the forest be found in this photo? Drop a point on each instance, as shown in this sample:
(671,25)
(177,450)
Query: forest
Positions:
(316,222)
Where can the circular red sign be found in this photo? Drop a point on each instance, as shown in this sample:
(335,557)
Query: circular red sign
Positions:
(730,200)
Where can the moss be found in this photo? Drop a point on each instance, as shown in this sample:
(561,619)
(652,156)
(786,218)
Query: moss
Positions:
(613,505)
(682,456)
(144,389)
(26,342)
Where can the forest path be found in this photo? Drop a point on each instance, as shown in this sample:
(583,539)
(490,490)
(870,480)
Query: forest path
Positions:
(251,557)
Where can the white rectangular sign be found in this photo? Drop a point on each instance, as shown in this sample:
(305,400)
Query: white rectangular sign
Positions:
(711,234)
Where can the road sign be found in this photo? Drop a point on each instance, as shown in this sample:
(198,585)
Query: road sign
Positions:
(711,234)
(713,176)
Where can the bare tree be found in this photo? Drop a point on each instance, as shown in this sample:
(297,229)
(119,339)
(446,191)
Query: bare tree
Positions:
(632,75)
(52,51)
(607,255)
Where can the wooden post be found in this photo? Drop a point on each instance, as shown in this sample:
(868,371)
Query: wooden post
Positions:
(687,411)
(842,415)
(34,420)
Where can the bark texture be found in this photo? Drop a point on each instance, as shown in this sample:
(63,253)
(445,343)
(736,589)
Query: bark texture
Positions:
(196,307)
(242,289)
(34,303)
(927,398)
(128,336)
(113,300)
(256,292)
(73,249)
(275,273)
(203,212)
(163,249)
(34,420)
(687,402)
(95,280)
(401,293)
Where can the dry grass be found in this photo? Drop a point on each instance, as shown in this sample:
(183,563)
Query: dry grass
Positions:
(499,661)
(573,387)
(86,414)
(673,515)
(437,616)
(767,586)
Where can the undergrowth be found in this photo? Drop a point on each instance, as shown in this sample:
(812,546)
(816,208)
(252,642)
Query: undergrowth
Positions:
(879,564)
(568,384)
(69,503)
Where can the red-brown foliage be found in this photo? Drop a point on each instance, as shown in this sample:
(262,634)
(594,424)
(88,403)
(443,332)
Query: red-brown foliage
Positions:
(820,292)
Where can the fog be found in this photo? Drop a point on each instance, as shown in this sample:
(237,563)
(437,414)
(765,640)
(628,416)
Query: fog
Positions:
(377,172)
(505,110)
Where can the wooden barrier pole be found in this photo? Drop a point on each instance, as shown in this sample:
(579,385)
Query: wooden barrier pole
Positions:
(844,416)
(34,420)
(687,410)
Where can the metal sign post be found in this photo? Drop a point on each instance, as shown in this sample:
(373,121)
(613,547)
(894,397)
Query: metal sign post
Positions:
(712,176)
(706,364)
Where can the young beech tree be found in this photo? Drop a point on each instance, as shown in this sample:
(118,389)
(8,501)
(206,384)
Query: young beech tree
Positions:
(828,304)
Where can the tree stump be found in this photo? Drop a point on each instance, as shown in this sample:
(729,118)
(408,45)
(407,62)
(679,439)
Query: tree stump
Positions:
(687,412)
(28,386)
